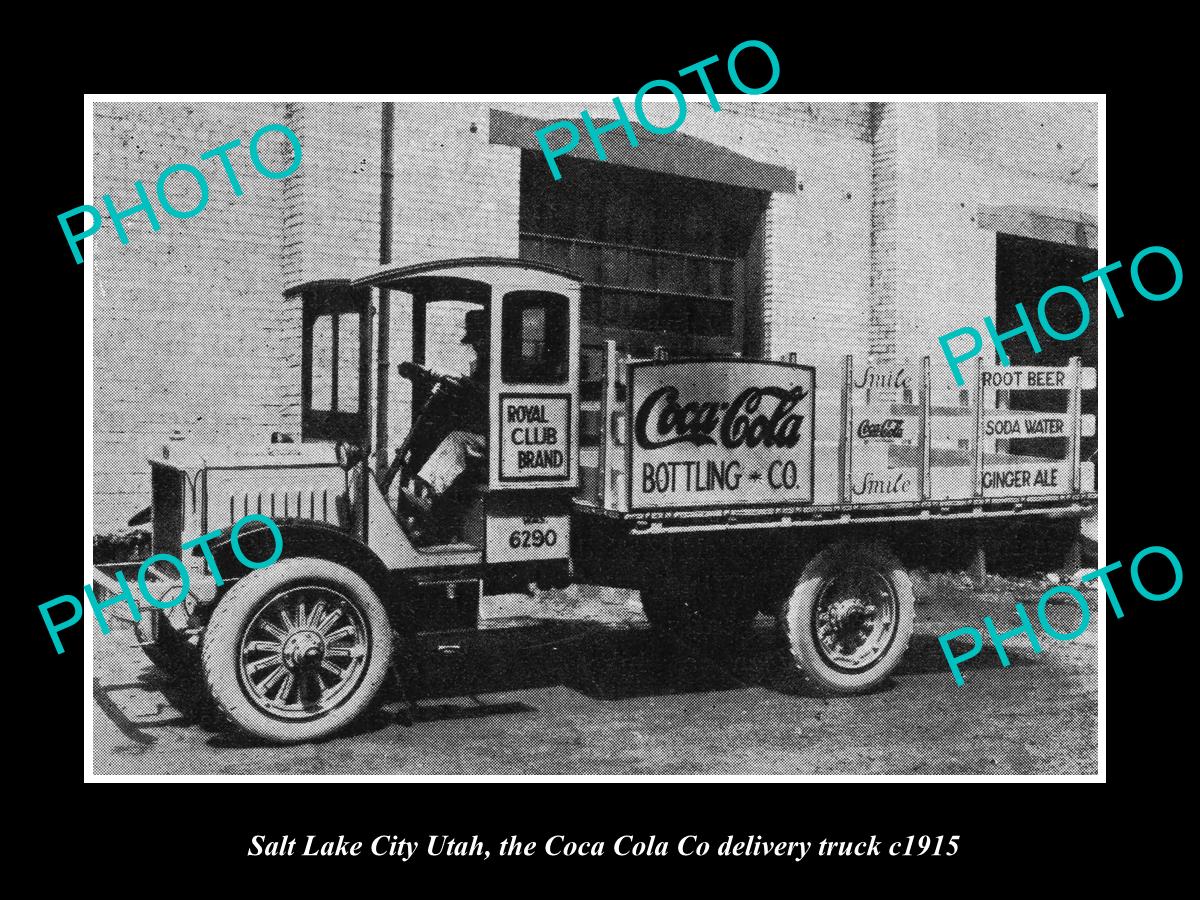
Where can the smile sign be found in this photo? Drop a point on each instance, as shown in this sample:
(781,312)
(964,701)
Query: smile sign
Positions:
(715,433)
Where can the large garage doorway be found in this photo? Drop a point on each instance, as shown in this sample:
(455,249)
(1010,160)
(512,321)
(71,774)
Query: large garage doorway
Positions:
(663,258)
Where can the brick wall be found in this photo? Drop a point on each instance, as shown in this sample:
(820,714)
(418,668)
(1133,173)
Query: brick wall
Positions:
(818,240)
(331,209)
(330,219)
(454,195)
(935,166)
(186,318)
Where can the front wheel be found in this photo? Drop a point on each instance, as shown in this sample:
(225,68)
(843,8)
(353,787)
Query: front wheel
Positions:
(848,621)
(296,651)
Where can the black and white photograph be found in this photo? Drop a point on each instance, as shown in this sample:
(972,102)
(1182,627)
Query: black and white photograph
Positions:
(690,434)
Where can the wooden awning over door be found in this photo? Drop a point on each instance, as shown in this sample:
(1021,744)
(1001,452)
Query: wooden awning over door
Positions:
(673,154)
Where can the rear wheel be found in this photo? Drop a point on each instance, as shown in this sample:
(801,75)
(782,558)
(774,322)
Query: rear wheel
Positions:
(849,619)
(296,651)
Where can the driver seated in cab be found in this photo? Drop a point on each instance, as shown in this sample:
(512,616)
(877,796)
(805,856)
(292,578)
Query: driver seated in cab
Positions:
(454,470)
(450,460)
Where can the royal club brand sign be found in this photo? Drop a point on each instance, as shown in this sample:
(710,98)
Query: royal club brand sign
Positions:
(535,437)
(734,432)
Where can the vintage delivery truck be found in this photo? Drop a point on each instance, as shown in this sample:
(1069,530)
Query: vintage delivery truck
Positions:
(717,486)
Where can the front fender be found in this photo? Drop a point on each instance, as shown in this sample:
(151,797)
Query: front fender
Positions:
(301,537)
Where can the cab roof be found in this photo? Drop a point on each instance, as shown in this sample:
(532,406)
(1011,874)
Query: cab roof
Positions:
(424,275)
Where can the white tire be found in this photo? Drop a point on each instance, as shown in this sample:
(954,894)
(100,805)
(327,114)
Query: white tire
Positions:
(296,651)
(848,621)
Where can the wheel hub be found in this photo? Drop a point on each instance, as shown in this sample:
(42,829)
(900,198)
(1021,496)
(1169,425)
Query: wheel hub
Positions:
(303,649)
(854,619)
(304,652)
(851,622)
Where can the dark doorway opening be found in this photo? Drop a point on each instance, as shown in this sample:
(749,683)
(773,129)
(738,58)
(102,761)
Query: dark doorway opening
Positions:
(662,258)
(1025,270)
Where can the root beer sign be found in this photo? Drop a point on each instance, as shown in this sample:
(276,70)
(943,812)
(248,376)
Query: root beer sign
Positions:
(720,432)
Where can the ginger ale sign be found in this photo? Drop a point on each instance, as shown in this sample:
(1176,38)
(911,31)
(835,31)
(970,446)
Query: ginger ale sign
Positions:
(720,433)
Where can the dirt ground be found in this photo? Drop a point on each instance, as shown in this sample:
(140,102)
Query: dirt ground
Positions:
(575,683)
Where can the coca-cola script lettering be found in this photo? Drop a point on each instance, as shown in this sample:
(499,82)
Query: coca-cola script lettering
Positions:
(749,420)
(889,428)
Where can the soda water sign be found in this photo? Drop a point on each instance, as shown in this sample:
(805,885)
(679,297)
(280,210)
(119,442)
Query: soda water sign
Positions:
(735,432)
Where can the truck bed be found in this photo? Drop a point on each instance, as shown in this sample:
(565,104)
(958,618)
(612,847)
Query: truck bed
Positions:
(890,442)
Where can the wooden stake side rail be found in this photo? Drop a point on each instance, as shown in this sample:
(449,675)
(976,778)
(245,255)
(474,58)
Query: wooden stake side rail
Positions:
(942,455)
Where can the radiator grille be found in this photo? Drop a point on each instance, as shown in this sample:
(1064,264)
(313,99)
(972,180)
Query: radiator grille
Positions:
(294,503)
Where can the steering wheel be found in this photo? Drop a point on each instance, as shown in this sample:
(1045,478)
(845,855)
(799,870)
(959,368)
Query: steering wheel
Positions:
(448,396)
(458,386)
(417,374)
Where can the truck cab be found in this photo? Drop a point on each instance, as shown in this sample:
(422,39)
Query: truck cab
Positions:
(527,399)
(514,516)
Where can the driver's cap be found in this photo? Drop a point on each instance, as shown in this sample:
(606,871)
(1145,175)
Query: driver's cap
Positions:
(477,330)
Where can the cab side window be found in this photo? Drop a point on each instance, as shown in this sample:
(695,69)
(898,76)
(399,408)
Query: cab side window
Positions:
(332,365)
(534,338)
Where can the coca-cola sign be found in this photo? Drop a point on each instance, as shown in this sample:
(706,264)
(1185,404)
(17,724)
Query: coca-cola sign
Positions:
(888,429)
(720,432)
(663,420)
